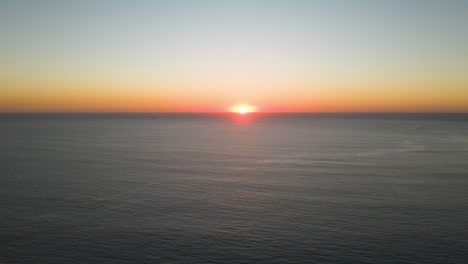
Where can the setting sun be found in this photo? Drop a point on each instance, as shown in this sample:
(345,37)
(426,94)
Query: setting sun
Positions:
(242,109)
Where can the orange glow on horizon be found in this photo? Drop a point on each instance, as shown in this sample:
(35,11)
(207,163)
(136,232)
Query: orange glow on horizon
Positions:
(95,96)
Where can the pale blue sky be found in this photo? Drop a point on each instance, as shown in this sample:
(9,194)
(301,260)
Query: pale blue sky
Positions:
(304,33)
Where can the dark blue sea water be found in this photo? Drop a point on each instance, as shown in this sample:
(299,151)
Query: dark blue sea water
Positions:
(189,188)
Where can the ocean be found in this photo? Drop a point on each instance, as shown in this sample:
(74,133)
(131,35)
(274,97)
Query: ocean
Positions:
(228,188)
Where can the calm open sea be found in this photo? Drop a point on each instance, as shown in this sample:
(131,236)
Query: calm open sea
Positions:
(192,188)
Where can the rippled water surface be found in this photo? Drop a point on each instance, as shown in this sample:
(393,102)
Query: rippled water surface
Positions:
(180,188)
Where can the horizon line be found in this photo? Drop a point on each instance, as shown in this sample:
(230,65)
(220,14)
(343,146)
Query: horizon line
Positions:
(224,112)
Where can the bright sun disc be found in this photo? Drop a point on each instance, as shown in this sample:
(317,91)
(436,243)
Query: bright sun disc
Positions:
(242,109)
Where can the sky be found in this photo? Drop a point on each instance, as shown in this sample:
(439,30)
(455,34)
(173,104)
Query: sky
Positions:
(208,55)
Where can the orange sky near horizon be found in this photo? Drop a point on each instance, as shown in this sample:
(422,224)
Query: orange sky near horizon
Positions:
(86,97)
